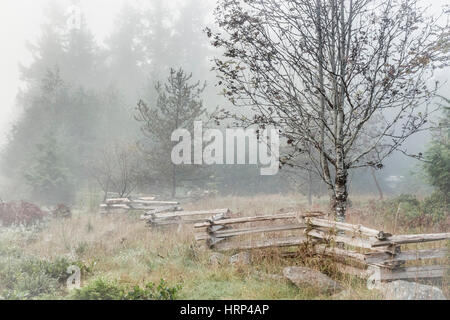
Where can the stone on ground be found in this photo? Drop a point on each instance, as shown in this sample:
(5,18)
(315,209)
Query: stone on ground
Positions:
(302,276)
(405,290)
(243,258)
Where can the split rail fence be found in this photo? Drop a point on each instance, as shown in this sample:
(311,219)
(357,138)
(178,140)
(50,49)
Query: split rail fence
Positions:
(162,213)
(167,216)
(357,250)
(135,203)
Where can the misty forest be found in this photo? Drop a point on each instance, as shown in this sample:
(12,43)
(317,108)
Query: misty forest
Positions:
(93,205)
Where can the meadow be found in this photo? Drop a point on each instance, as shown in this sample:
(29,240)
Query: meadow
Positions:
(121,257)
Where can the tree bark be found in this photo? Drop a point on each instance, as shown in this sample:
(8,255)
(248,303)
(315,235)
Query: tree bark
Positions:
(174,181)
(341,194)
(340,185)
(380,192)
(320,58)
(309,188)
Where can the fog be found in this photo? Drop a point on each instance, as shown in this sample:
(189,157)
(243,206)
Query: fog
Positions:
(20,23)
(107,75)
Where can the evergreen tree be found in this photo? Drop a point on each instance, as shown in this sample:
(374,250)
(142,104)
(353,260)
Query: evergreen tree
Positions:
(437,157)
(126,53)
(47,174)
(178,105)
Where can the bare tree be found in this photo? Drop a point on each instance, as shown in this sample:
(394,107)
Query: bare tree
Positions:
(304,179)
(322,70)
(116,169)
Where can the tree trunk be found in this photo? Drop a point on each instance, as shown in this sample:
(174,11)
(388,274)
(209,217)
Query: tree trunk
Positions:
(340,186)
(323,160)
(380,192)
(341,195)
(340,181)
(174,181)
(105,196)
(309,189)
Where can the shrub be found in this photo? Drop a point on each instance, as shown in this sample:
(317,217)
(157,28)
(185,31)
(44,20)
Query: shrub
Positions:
(104,289)
(437,157)
(29,277)
(26,278)
(414,212)
(20,213)
(163,291)
(99,289)
(437,206)
(58,268)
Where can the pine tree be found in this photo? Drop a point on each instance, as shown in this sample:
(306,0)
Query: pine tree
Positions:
(178,105)
(47,175)
(126,52)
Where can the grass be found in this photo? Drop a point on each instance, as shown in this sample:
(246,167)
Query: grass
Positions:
(121,248)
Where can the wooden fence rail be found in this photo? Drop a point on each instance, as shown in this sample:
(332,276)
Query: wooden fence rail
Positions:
(362,251)
(135,203)
(215,231)
(162,212)
(382,252)
(159,217)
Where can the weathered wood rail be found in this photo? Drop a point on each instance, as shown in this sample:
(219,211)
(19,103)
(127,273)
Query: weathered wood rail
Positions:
(375,254)
(159,217)
(135,203)
(216,231)
(162,213)
(358,250)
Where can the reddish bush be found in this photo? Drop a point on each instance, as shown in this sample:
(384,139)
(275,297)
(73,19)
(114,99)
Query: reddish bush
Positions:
(16,213)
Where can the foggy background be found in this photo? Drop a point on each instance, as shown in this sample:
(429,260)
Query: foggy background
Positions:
(177,40)
(20,22)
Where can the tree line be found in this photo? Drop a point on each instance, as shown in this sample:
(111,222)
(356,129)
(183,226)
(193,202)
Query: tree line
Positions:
(346,82)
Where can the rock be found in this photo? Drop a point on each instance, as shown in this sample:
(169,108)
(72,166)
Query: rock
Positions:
(301,276)
(241,258)
(405,290)
(216,258)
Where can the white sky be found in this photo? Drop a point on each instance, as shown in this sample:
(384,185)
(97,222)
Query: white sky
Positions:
(20,22)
